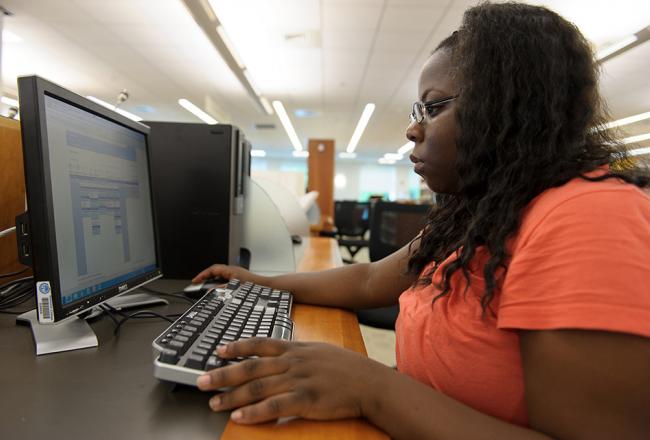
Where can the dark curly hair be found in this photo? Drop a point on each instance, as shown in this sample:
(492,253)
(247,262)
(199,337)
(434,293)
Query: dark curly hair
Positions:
(528,114)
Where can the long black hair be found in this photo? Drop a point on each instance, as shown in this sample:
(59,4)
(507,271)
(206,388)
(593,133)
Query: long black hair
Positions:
(530,118)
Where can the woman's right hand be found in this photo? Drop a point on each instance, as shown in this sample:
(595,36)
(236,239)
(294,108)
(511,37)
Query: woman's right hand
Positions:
(226,272)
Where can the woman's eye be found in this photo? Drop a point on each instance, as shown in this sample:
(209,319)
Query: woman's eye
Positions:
(433,110)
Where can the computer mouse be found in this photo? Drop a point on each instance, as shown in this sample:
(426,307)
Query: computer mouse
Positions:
(197,290)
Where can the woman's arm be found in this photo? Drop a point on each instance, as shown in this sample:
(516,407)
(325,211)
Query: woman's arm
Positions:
(355,286)
(579,384)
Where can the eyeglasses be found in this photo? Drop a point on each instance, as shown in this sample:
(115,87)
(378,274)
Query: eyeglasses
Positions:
(428,109)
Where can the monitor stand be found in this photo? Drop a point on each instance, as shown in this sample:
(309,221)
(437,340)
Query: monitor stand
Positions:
(75,333)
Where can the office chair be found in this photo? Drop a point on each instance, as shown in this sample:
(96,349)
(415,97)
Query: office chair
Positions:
(351,219)
(392,225)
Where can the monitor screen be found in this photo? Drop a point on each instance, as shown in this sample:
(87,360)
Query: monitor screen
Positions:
(102,211)
(92,229)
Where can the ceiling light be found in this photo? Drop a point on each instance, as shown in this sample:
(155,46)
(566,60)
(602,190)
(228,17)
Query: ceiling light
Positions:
(300,153)
(628,120)
(609,50)
(385,161)
(361,126)
(258,153)
(124,113)
(267,107)
(9,101)
(346,155)
(10,37)
(637,138)
(288,127)
(394,156)
(224,37)
(205,17)
(406,148)
(639,151)
(187,105)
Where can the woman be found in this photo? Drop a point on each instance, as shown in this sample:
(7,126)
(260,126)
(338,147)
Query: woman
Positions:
(525,307)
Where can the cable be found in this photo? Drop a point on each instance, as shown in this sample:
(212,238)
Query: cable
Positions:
(142,312)
(14,282)
(7,231)
(11,274)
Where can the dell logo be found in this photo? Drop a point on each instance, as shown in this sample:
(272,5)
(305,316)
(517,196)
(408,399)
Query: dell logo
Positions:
(122,288)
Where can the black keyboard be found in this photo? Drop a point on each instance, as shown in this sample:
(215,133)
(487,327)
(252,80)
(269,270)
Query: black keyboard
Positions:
(224,314)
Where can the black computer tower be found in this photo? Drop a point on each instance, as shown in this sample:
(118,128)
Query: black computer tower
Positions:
(199,179)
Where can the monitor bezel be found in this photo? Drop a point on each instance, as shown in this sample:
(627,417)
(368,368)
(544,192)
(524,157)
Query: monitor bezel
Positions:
(32,91)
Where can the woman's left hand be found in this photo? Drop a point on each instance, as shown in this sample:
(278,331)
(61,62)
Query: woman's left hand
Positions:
(306,379)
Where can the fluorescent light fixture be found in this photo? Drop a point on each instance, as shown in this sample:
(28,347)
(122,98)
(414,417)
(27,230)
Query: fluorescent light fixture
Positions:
(187,105)
(607,51)
(385,161)
(300,153)
(639,151)
(637,138)
(406,148)
(258,153)
(628,120)
(267,106)
(226,41)
(288,127)
(361,126)
(124,113)
(9,101)
(394,156)
(208,10)
(346,155)
(10,37)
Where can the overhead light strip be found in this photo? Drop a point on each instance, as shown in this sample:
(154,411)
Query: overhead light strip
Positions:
(203,13)
(124,113)
(288,126)
(258,153)
(609,50)
(9,101)
(627,121)
(361,126)
(637,138)
(406,148)
(187,105)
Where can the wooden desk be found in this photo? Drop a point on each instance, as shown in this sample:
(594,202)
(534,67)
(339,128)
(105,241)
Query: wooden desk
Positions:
(325,324)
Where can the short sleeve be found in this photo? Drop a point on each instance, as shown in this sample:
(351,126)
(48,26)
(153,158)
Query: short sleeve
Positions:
(584,264)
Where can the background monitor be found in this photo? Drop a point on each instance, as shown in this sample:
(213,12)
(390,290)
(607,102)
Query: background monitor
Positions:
(91,220)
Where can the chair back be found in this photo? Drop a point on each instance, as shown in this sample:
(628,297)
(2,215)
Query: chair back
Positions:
(393,225)
(351,218)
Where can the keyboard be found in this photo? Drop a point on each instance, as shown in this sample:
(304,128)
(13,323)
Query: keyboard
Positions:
(185,350)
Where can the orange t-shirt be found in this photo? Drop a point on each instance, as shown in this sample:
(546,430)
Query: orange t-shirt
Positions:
(581,259)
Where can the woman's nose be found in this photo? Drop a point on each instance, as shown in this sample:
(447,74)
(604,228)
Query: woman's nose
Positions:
(414,132)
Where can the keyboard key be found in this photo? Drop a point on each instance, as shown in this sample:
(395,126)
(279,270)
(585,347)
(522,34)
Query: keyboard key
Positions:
(168,356)
(195,361)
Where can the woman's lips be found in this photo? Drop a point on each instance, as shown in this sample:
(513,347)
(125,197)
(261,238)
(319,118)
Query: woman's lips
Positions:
(418,168)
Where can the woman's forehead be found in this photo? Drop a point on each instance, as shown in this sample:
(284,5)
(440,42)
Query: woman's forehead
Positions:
(436,74)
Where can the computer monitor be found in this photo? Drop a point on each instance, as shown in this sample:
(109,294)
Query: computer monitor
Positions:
(91,232)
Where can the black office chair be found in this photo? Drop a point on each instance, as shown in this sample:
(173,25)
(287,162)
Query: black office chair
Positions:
(392,225)
(351,219)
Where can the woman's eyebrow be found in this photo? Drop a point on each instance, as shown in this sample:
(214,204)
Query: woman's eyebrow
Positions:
(429,90)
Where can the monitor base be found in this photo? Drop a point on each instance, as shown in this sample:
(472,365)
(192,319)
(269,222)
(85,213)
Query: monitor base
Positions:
(71,334)
(75,333)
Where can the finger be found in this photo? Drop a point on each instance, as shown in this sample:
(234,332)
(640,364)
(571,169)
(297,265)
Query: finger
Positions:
(211,272)
(253,347)
(251,392)
(272,408)
(242,372)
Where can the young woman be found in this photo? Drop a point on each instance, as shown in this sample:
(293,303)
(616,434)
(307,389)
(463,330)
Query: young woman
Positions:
(525,302)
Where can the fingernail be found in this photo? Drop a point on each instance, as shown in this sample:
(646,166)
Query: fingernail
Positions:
(237,415)
(222,348)
(203,381)
(215,402)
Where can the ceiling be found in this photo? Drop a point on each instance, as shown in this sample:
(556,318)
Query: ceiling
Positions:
(326,58)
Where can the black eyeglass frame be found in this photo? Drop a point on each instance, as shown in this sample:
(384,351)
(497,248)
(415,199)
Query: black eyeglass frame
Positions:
(421,109)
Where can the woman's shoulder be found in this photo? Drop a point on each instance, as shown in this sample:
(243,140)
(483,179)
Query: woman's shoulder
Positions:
(580,202)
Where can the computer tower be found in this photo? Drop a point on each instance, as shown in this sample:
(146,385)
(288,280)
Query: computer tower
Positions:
(199,178)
